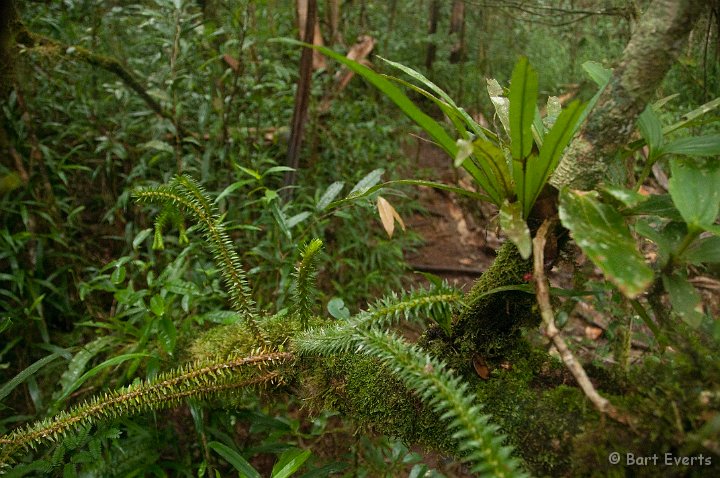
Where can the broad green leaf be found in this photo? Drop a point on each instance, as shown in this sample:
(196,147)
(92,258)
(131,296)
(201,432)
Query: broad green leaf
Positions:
(235,459)
(25,374)
(695,190)
(329,196)
(297,219)
(515,227)
(289,462)
(626,197)
(118,275)
(600,231)
(500,102)
(168,334)
(142,235)
(523,101)
(598,73)
(157,305)
(694,146)
(336,308)
(429,125)
(370,180)
(656,205)
(684,298)
(651,131)
(703,251)
(539,169)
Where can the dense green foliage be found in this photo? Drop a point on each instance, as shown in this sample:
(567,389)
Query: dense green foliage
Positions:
(165,310)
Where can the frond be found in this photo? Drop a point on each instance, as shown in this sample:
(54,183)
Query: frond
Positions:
(305,275)
(437,303)
(187,195)
(199,380)
(447,394)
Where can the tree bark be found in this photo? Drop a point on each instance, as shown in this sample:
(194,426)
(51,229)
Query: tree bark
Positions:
(432,29)
(653,48)
(457,26)
(302,98)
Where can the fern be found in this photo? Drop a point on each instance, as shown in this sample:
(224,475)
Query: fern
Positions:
(187,195)
(305,275)
(437,303)
(478,439)
(198,380)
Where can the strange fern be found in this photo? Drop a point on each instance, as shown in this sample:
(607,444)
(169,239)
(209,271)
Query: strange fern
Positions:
(198,380)
(437,303)
(187,195)
(477,438)
(305,282)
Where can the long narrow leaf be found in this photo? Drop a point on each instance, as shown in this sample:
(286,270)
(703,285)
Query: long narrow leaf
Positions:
(540,168)
(25,374)
(523,100)
(233,457)
(431,127)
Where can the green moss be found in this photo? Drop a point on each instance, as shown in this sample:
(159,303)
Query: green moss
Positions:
(363,389)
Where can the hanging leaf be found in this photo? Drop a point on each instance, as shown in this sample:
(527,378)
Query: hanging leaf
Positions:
(602,234)
(684,298)
(329,196)
(598,73)
(388,216)
(500,102)
(651,131)
(515,227)
(370,180)
(695,190)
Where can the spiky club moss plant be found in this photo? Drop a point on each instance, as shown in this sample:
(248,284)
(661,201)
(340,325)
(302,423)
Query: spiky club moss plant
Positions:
(271,352)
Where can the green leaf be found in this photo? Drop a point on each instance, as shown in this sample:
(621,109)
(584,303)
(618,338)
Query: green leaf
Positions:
(598,73)
(695,190)
(118,275)
(500,102)
(336,308)
(280,219)
(429,125)
(703,251)
(370,180)
(656,205)
(140,238)
(235,459)
(625,197)
(329,196)
(97,369)
(454,109)
(688,118)
(157,305)
(602,234)
(159,146)
(694,146)
(297,219)
(289,462)
(494,177)
(684,298)
(515,227)
(523,101)
(25,374)
(651,131)
(538,170)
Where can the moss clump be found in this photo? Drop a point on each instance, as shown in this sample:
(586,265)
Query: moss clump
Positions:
(366,391)
(491,318)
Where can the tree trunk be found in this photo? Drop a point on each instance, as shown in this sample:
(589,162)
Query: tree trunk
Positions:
(303,12)
(432,29)
(333,16)
(457,27)
(653,48)
(302,96)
